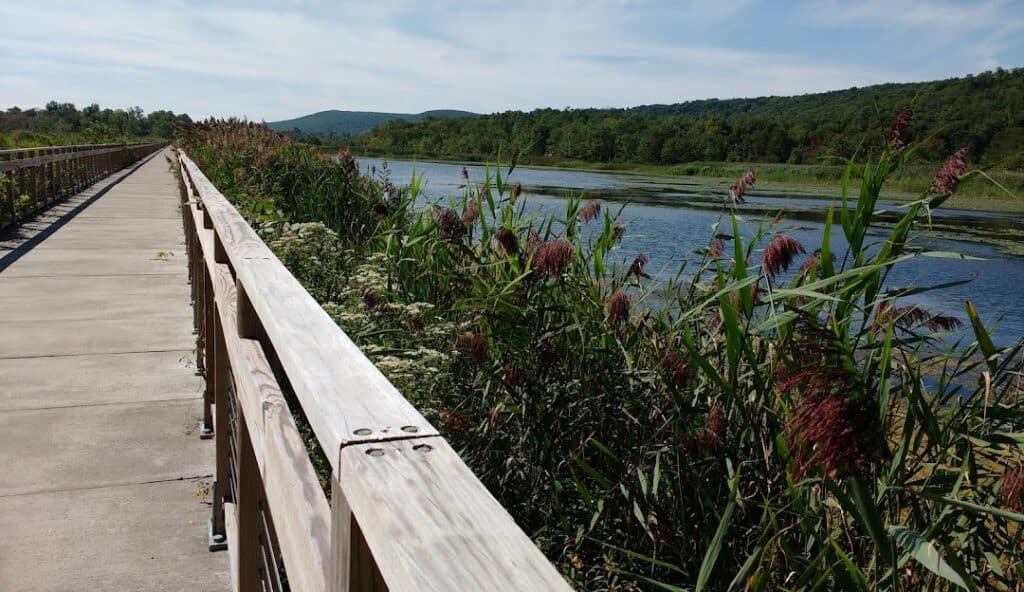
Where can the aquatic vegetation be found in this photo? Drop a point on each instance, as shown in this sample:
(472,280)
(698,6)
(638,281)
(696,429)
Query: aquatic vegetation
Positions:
(748,428)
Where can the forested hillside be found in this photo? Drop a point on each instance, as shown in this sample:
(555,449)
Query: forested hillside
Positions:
(63,123)
(983,111)
(343,123)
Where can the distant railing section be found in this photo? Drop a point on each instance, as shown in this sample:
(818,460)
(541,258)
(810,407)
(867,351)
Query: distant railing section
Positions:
(405,513)
(32,179)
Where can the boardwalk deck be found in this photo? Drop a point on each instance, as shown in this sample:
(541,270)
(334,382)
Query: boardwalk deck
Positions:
(99,406)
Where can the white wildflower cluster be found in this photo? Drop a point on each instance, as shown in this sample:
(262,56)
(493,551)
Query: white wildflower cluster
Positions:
(414,309)
(346,318)
(408,368)
(439,328)
(368,275)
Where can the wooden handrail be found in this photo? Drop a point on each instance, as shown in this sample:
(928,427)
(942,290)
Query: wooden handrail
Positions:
(32,179)
(405,512)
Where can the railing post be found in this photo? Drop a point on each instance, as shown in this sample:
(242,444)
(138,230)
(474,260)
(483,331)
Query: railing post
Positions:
(249,483)
(208,352)
(219,375)
(10,190)
(51,178)
(352,567)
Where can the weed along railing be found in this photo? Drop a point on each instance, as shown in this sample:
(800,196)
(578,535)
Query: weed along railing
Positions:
(405,513)
(32,179)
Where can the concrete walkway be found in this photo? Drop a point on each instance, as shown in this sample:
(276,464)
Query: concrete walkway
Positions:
(102,472)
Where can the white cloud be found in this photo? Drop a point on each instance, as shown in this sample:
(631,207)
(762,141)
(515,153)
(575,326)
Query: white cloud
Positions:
(281,60)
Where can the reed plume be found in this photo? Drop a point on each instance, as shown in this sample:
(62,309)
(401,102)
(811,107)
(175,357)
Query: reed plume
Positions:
(779,254)
(618,306)
(899,132)
(553,257)
(589,211)
(1011,488)
(637,268)
(474,346)
(949,175)
(739,188)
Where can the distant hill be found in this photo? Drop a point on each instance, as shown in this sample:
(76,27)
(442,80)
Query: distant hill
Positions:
(356,122)
(984,112)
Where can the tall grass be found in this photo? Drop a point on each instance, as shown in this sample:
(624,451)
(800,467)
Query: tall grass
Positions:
(716,428)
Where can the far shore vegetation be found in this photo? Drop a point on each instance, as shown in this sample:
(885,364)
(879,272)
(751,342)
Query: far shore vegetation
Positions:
(61,124)
(803,142)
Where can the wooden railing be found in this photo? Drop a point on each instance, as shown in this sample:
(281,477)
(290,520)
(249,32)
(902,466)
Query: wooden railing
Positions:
(32,179)
(405,513)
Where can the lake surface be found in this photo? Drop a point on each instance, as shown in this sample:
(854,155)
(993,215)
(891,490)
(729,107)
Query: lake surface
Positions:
(669,219)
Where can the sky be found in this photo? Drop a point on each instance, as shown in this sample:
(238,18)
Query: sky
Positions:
(270,60)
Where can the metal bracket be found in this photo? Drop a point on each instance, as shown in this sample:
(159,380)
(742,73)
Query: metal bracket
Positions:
(215,542)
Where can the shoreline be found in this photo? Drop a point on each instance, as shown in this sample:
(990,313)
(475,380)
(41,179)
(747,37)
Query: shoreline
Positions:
(808,188)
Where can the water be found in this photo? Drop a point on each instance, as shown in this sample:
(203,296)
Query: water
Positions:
(681,221)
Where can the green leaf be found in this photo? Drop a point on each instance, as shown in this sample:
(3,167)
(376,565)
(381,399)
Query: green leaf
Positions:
(929,556)
(972,506)
(984,340)
(857,577)
(711,556)
(869,517)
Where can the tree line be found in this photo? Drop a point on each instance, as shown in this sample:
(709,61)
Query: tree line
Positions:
(984,112)
(62,123)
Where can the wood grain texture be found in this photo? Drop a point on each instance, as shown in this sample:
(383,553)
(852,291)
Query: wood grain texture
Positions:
(406,512)
(431,525)
(289,480)
(345,397)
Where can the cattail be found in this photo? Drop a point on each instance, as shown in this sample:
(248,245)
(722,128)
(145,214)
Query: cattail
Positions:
(739,189)
(618,306)
(716,248)
(949,175)
(380,211)
(450,223)
(513,376)
(674,369)
(1011,488)
(516,190)
(618,229)
(506,240)
(943,323)
(471,213)
(833,433)
(371,298)
(779,254)
(911,317)
(589,211)
(716,421)
(454,421)
(474,346)
(637,268)
(833,427)
(709,437)
(899,133)
(553,257)
(533,242)
(813,261)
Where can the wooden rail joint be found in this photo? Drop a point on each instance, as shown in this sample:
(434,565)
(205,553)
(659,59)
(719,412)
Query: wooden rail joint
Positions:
(406,513)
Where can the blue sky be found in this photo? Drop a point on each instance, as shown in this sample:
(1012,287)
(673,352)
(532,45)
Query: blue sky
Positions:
(274,60)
